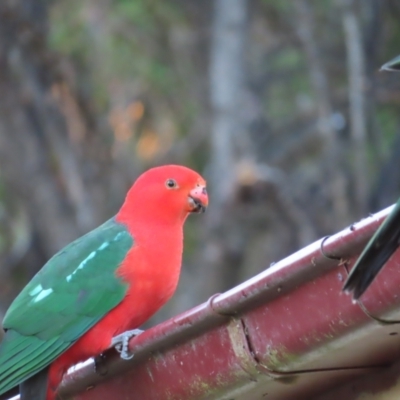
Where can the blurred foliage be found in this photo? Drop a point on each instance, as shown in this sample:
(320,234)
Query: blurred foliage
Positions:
(133,89)
(128,42)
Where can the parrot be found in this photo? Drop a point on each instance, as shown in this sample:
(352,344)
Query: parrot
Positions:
(383,243)
(95,292)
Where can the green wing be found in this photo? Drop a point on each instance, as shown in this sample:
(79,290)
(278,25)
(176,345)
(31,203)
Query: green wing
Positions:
(73,291)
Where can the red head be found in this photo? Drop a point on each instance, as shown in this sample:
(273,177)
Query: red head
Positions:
(166,194)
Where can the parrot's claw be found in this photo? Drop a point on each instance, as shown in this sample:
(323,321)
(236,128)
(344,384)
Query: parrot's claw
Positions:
(120,343)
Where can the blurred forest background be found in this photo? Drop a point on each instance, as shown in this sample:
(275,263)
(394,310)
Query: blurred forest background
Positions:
(280,104)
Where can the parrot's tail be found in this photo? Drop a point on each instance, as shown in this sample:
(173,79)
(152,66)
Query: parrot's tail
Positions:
(380,248)
(22,357)
(361,277)
(35,388)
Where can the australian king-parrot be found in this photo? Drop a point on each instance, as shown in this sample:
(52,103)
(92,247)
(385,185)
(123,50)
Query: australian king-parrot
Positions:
(106,282)
(383,243)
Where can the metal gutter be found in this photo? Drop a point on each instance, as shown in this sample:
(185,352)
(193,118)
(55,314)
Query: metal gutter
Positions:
(288,333)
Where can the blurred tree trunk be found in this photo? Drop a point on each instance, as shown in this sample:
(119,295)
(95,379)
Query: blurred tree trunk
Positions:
(386,188)
(50,157)
(228,141)
(357,84)
(332,159)
(227,74)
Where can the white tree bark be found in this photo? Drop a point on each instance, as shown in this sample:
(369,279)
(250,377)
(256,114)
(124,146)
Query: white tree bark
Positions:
(226,87)
(318,76)
(356,76)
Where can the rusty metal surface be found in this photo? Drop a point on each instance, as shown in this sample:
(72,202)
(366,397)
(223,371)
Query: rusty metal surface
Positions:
(288,333)
(383,384)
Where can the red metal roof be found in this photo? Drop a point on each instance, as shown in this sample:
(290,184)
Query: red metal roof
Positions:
(288,333)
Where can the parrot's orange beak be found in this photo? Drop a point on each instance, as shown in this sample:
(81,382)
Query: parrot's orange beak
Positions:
(198,199)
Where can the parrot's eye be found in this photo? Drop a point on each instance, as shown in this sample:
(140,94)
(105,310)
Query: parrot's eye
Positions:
(171,184)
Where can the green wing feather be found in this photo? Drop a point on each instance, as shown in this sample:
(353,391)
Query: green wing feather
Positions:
(72,292)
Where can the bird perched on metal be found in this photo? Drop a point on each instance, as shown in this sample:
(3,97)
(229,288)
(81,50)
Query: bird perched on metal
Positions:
(383,243)
(108,281)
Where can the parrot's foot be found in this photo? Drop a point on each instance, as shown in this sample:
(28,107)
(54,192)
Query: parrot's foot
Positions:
(120,343)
